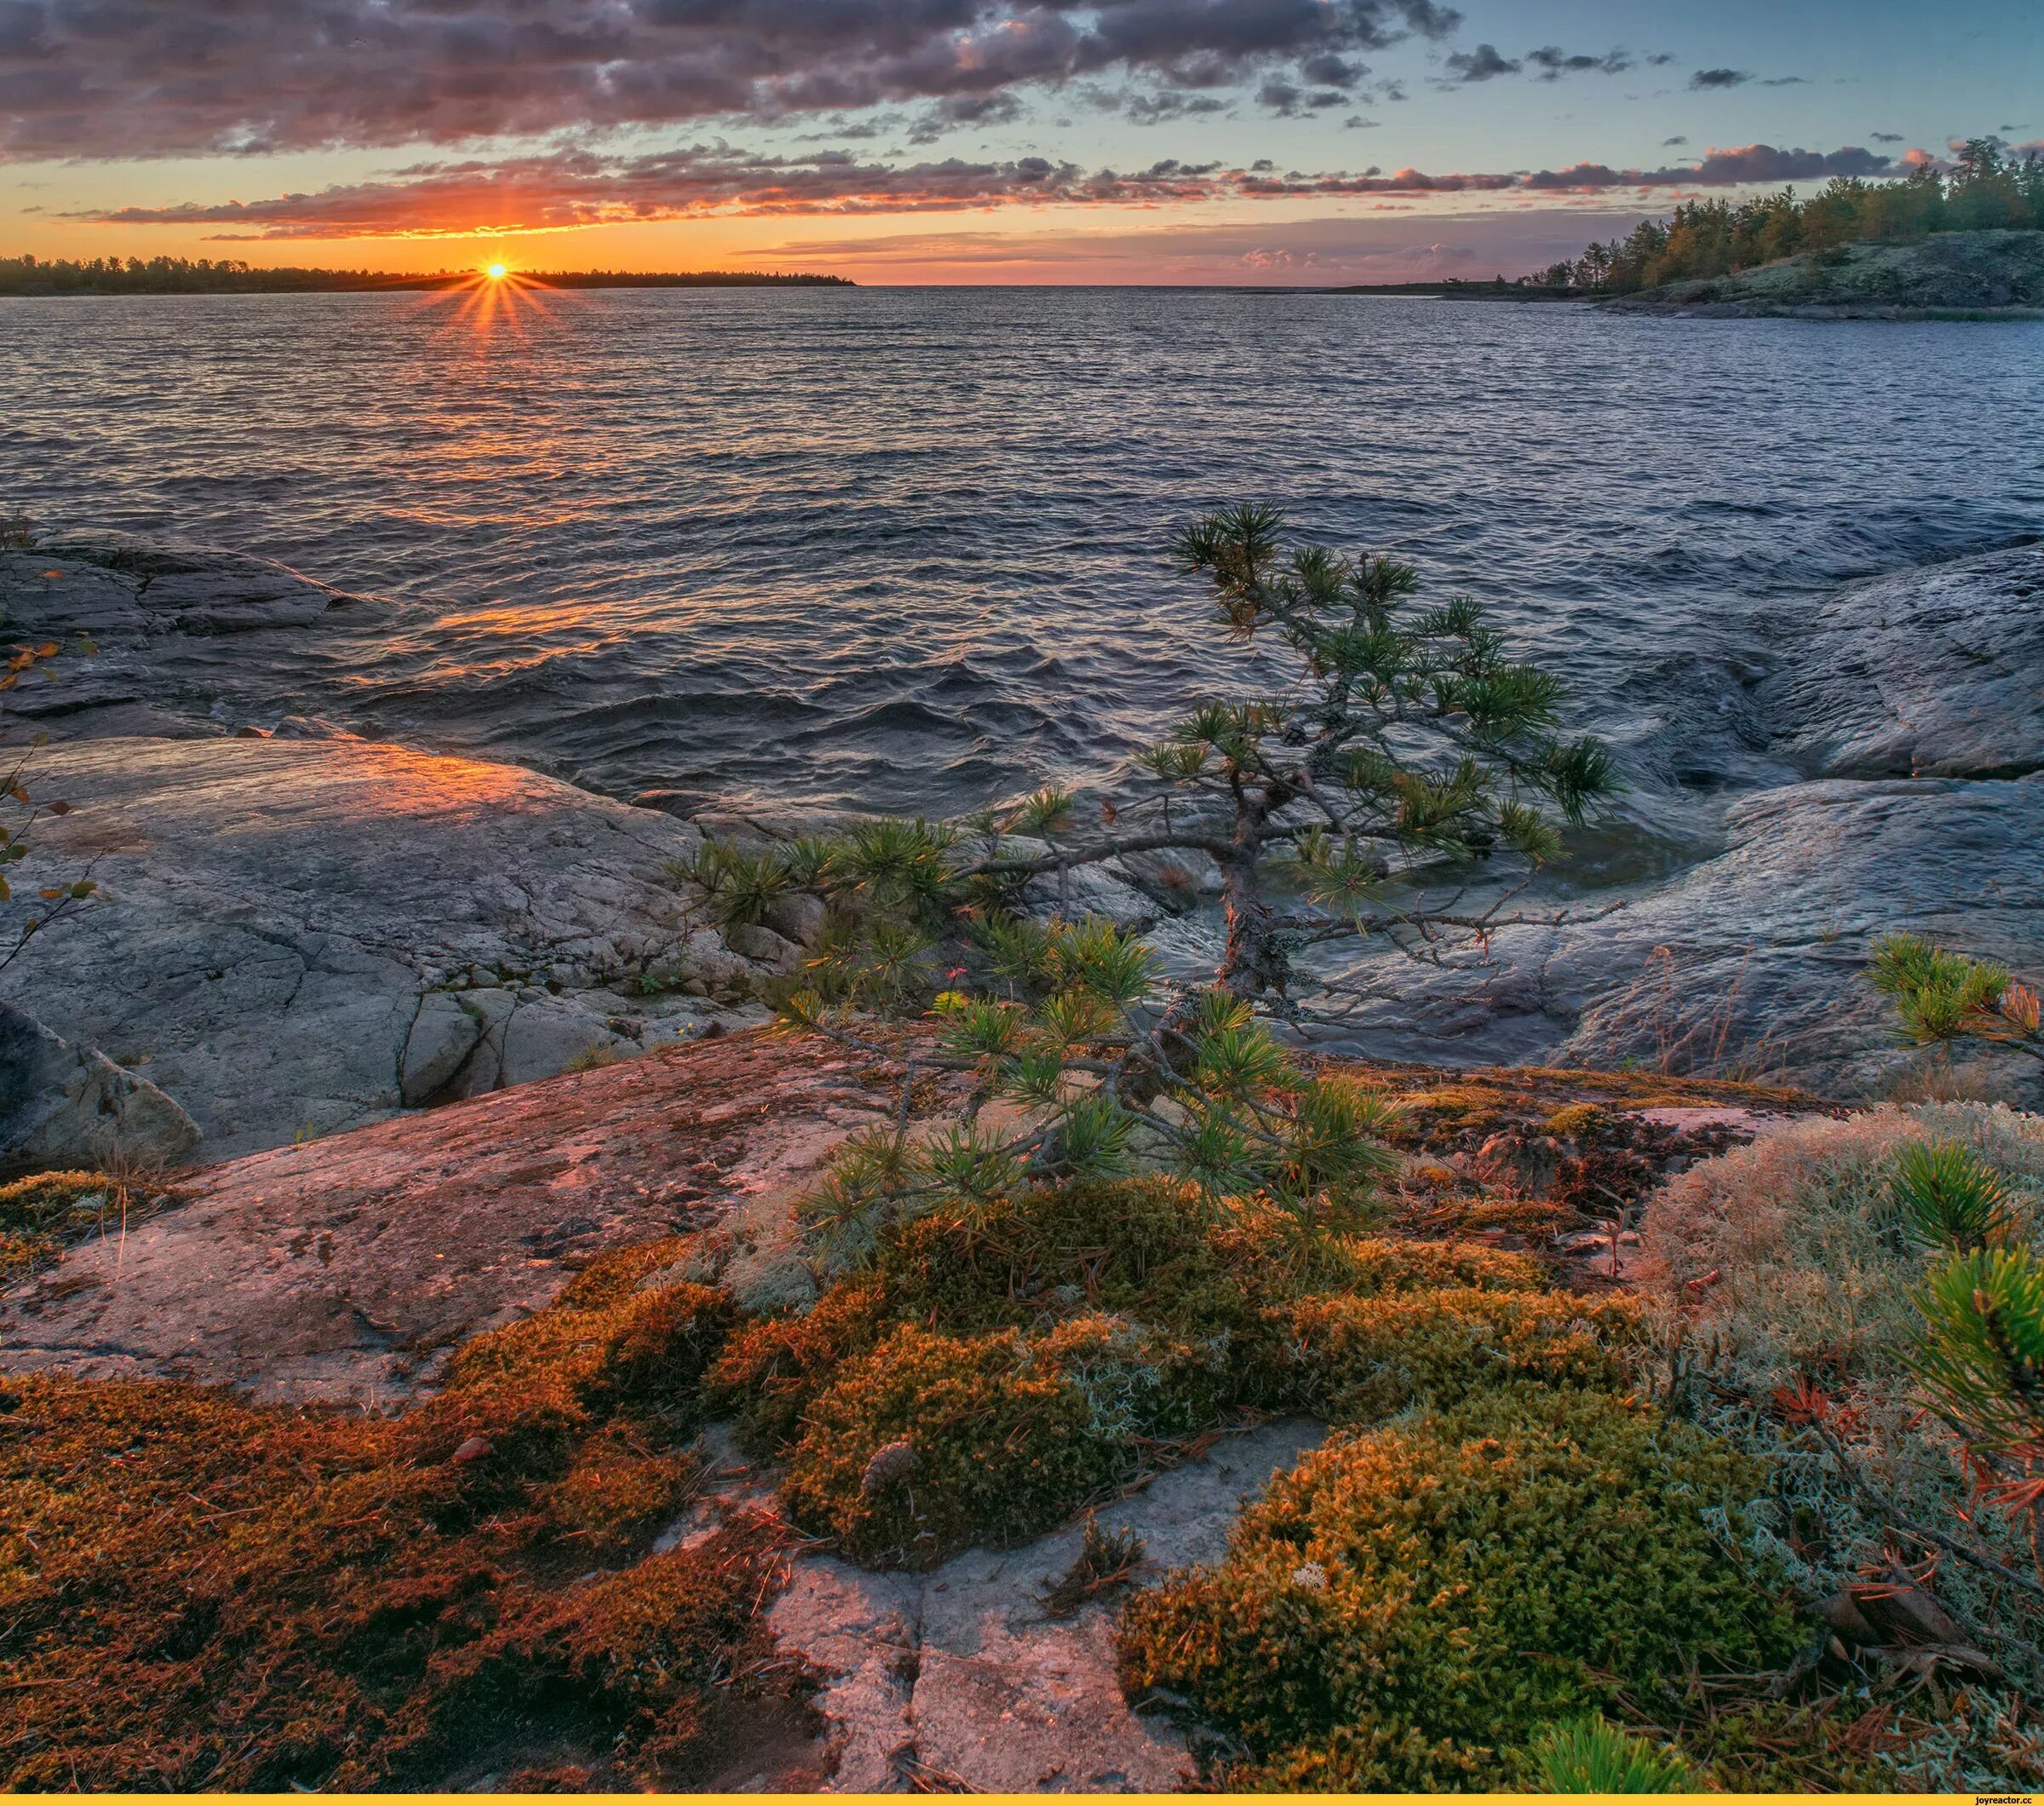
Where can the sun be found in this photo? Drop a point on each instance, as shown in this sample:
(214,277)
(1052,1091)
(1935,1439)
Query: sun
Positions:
(497,271)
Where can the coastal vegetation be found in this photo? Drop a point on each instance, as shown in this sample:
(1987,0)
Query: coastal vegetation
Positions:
(1750,1501)
(30,275)
(1985,189)
(1407,750)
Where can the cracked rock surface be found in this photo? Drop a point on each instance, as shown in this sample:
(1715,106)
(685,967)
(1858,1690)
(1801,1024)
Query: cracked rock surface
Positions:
(1931,673)
(191,638)
(958,1679)
(1760,951)
(296,937)
(342,1270)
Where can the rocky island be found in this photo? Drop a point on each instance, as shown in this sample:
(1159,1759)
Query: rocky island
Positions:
(418,1365)
(1950,275)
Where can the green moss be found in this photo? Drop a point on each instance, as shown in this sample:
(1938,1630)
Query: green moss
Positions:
(1360,1357)
(933,1442)
(200,1592)
(1011,1361)
(40,1214)
(1409,1607)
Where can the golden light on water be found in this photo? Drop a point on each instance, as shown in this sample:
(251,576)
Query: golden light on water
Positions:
(495,301)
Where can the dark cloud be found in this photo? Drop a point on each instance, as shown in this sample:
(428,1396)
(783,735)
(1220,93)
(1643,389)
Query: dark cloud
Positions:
(162,77)
(1886,137)
(1357,122)
(1329,69)
(1552,63)
(1483,64)
(1719,78)
(1166,104)
(1669,144)
(1289,100)
(1752,162)
(1786,81)
(567,189)
(957,110)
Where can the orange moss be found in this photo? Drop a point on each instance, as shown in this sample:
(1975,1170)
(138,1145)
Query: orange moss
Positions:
(200,1592)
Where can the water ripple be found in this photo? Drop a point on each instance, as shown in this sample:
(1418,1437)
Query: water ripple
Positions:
(903,549)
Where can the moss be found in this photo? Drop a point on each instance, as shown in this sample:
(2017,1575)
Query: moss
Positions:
(197,1592)
(1409,1607)
(773,1368)
(1363,1358)
(996,1369)
(1386,1266)
(933,1442)
(40,1214)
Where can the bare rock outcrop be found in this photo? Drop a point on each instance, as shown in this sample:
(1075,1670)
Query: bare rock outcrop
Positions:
(191,640)
(960,1680)
(1935,672)
(341,1270)
(1754,960)
(64,1106)
(292,937)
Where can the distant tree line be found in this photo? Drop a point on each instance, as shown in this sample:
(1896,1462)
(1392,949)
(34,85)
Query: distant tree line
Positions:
(29,275)
(1985,189)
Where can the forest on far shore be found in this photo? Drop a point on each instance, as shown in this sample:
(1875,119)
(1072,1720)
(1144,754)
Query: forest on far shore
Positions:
(29,275)
(1985,190)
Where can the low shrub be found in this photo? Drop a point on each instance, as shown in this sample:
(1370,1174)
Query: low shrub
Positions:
(1789,1282)
(1410,1607)
(1793,1254)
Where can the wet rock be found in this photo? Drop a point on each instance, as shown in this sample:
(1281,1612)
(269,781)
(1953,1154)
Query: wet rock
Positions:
(1178,879)
(274,914)
(192,639)
(64,1105)
(1753,962)
(1931,672)
(1087,890)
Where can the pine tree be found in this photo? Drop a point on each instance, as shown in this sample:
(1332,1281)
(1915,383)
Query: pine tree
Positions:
(1405,736)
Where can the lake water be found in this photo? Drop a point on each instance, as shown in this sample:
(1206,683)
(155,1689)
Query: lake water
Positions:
(904,549)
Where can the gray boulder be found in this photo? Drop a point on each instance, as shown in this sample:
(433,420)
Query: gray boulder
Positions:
(1754,961)
(303,935)
(64,1105)
(1929,673)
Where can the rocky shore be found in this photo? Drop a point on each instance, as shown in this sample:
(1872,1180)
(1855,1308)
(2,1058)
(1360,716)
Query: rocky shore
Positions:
(300,931)
(1948,274)
(440,1248)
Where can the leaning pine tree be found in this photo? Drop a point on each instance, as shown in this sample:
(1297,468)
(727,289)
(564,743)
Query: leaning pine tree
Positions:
(1407,736)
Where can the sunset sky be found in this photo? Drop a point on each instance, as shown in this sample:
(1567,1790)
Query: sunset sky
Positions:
(962,140)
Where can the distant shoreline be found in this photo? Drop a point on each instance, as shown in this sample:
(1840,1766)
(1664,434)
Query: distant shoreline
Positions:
(27,278)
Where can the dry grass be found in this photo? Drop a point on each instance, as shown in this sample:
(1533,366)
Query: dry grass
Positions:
(1780,1279)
